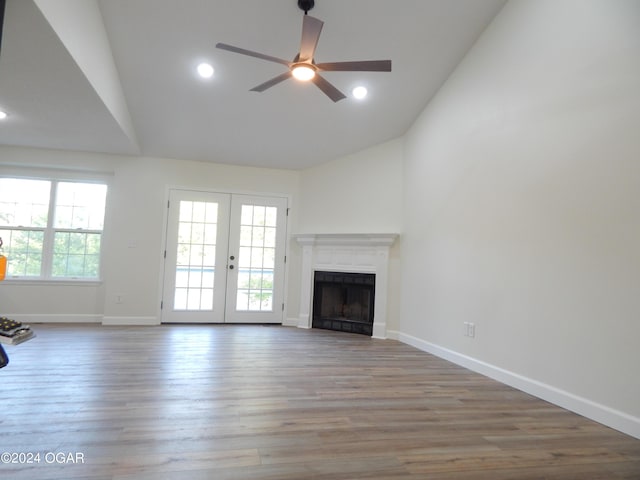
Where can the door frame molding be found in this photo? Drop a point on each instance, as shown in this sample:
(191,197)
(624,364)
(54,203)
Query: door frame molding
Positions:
(228,191)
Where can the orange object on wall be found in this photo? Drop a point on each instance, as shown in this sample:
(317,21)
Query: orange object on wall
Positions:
(3,264)
(3,267)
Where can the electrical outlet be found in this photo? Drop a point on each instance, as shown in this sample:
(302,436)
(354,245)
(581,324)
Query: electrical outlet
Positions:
(469,329)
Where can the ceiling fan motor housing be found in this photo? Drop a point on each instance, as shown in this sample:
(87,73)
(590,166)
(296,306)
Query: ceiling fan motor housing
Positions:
(306,5)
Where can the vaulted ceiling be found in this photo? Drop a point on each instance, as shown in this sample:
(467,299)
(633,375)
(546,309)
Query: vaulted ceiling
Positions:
(118,76)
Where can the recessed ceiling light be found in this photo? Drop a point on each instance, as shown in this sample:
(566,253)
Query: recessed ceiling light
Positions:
(359,92)
(205,70)
(3,115)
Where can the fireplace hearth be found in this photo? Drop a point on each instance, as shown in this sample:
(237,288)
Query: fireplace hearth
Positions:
(344,301)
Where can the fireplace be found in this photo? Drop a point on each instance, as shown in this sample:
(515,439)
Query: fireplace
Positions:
(344,301)
(357,253)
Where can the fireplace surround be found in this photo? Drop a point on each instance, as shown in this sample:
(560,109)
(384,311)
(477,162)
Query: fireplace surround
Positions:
(348,253)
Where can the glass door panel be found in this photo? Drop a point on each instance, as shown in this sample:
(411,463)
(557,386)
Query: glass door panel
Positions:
(255,287)
(195,268)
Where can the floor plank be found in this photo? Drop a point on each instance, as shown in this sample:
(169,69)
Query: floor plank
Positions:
(269,402)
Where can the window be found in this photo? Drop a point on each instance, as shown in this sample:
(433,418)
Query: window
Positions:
(52,229)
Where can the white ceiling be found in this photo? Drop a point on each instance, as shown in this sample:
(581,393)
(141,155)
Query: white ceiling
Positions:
(134,91)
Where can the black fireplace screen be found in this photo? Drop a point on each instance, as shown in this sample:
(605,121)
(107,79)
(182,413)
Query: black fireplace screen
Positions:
(344,301)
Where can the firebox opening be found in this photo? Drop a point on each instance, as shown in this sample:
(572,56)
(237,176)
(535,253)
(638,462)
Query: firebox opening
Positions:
(344,301)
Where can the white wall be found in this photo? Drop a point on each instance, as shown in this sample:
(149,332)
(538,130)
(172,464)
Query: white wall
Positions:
(522,211)
(359,193)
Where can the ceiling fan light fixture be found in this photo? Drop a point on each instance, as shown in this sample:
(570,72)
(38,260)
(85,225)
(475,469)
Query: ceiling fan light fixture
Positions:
(303,72)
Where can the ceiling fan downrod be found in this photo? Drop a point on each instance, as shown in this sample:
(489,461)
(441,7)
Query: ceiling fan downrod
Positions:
(306,5)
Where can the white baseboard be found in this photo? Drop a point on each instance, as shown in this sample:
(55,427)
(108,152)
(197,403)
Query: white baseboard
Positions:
(610,417)
(379,331)
(303,321)
(111,321)
(55,318)
(290,322)
(394,335)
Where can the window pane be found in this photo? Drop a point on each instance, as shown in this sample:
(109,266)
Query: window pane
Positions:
(182,278)
(209,257)
(244,258)
(271,216)
(245,236)
(80,205)
(199,210)
(266,301)
(269,258)
(210,233)
(246,215)
(76,255)
(23,249)
(258,237)
(180,299)
(184,253)
(257,255)
(24,203)
(242,300)
(186,210)
(193,299)
(184,232)
(270,237)
(206,299)
(208,277)
(258,215)
(211,214)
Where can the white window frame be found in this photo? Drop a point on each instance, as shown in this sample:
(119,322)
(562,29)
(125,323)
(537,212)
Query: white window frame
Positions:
(50,230)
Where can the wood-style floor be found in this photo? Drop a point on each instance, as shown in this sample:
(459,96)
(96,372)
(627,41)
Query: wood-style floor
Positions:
(258,402)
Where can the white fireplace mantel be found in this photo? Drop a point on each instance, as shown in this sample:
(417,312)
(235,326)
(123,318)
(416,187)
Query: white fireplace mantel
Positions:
(340,252)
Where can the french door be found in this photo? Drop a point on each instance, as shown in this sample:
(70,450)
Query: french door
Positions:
(224,258)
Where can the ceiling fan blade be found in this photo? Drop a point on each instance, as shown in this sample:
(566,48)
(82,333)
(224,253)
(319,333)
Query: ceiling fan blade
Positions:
(363,66)
(270,83)
(329,90)
(311,28)
(2,4)
(251,53)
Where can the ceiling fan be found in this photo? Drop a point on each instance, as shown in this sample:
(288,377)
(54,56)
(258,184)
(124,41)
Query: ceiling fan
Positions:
(303,67)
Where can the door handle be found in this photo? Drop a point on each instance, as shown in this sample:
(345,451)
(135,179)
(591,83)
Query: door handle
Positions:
(231,267)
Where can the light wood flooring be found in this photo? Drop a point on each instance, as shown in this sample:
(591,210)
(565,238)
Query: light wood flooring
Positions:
(270,402)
